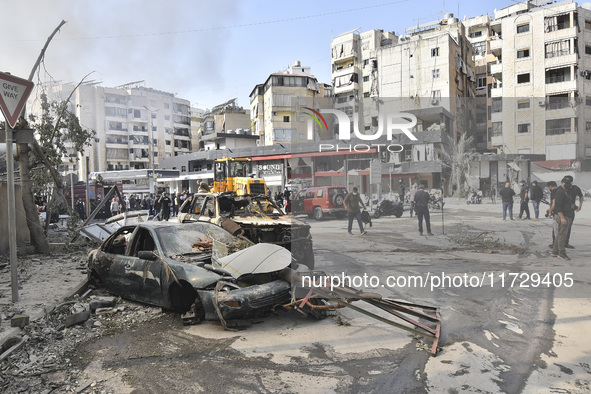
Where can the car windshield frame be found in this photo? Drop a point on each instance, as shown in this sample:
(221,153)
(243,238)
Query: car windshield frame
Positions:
(249,206)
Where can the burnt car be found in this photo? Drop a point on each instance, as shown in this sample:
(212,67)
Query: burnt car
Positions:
(195,267)
(256,218)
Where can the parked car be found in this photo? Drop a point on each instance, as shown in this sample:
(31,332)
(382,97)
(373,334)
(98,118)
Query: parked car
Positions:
(320,201)
(195,266)
(256,218)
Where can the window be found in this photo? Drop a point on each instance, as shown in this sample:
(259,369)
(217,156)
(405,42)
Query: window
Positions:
(523,78)
(166,117)
(436,73)
(497,129)
(587,24)
(522,53)
(434,52)
(523,128)
(366,62)
(587,49)
(319,192)
(366,94)
(286,118)
(588,152)
(481,83)
(558,126)
(497,105)
(475,34)
(366,78)
(524,28)
(167,142)
(479,47)
(587,126)
(588,100)
(523,103)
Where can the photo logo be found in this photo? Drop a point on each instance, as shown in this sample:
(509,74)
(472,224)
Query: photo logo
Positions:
(317,117)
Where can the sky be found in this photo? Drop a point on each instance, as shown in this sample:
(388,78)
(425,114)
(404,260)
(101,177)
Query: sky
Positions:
(204,51)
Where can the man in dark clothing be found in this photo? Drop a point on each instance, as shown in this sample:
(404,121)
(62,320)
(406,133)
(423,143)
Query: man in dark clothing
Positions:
(507,194)
(536,194)
(352,202)
(402,191)
(573,193)
(563,216)
(523,206)
(165,203)
(422,209)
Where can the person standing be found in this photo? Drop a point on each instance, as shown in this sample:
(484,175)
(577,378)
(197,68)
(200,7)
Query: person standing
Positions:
(573,193)
(536,194)
(507,194)
(563,216)
(114,207)
(413,191)
(421,201)
(493,195)
(165,204)
(523,206)
(402,191)
(550,211)
(157,206)
(352,205)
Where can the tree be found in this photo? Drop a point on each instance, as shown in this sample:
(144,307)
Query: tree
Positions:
(458,161)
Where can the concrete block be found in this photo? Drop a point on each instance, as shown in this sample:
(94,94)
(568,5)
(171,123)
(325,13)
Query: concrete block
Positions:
(19,321)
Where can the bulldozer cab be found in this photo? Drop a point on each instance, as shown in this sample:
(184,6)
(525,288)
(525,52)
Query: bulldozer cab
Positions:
(237,175)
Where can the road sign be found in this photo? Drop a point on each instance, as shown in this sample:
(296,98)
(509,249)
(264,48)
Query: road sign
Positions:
(14,92)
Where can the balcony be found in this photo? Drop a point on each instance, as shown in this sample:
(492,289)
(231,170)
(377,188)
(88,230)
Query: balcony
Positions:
(560,83)
(496,140)
(496,92)
(564,32)
(496,45)
(496,70)
(345,71)
(560,58)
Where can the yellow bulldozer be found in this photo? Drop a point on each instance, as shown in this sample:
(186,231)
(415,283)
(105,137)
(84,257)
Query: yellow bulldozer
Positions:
(237,175)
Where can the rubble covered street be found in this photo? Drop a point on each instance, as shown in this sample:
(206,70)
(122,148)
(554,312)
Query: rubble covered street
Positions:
(496,337)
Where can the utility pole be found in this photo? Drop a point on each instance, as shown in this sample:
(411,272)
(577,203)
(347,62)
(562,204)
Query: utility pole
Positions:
(11,213)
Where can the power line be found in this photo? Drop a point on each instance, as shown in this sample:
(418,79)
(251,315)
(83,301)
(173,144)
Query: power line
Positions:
(231,26)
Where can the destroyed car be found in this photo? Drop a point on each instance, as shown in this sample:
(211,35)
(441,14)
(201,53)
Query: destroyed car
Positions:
(196,267)
(256,218)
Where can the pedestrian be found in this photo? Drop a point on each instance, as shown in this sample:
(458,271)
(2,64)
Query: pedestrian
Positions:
(421,201)
(203,188)
(493,195)
(413,191)
(402,191)
(550,211)
(352,202)
(536,194)
(573,193)
(173,206)
(523,206)
(157,206)
(563,216)
(114,207)
(165,204)
(507,194)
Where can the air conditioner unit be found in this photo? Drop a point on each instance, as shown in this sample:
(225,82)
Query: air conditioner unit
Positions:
(542,103)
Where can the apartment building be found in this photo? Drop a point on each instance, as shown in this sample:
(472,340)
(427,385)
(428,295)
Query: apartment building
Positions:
(276,106)
(540,68)
(136,127)
(226,126)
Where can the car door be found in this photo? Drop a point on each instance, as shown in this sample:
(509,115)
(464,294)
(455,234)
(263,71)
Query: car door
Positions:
(297,205)
(309,201)
(129,276)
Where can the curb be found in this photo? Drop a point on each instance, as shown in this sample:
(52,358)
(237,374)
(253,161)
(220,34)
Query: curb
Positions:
(17,332)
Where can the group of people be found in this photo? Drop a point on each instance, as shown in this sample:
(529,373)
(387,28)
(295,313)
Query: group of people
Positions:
(419,199)
(563,206)
(161,207)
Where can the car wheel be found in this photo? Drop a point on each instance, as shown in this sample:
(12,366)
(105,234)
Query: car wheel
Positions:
(338,200)
(377,214)
(318,214)
(181,297)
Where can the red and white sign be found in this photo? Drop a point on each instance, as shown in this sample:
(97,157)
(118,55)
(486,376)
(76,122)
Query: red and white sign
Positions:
(14,92)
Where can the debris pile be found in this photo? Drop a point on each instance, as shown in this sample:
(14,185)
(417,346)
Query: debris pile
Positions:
(42,358)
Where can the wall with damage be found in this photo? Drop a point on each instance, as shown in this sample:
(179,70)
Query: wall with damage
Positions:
(22,231)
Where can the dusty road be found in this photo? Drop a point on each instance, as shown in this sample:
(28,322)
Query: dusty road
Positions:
(509,330)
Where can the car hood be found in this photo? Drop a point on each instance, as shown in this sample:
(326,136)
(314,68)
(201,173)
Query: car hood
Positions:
(269,221)
(258,259)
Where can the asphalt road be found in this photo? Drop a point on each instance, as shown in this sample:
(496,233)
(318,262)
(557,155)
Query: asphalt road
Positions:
(502,331)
